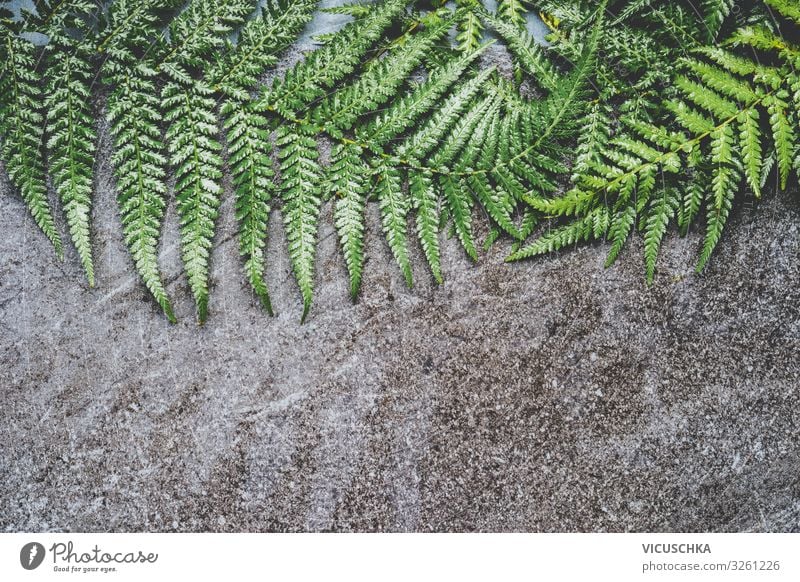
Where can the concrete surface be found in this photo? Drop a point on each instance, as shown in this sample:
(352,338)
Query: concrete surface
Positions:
(550,395)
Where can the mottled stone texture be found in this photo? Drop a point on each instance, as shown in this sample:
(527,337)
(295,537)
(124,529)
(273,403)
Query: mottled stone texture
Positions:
(544,396)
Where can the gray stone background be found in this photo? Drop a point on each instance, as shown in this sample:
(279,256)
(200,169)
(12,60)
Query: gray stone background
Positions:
(551,395)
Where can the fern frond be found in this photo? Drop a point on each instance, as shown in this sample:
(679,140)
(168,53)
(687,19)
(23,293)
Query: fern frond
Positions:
(247,129)
(394,206)
(192,136)
(715,12)
(765,39)
(130,25)
(71,139)
(356,9)
(134,114)
(349,179)
(750,143)
(22,127)
(633,7)
(458,196)
(593,139)
(195,157)
(593,225)
(707,98)
(300,177)
(479,152)
(197,31)
(459,205)
(249,149)
(719,103)
(461,133)
(512,11)
(619,231)
(422,141)
(788,8)
(321,69)
(408,108)
(690,118)
(257,46)
(718,211)
(529,53)
(692,201)
(470,27)
(783,134)
(660,213)
(379,82)
(425,204)
(722,81)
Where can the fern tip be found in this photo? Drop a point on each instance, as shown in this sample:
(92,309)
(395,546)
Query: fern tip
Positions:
(266,303)
(306,309)
(202,310)
(167,308)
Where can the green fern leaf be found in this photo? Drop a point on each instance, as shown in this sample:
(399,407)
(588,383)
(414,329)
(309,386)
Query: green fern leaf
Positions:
(394,205)
(420,143)
(321,69)
(512,11)
(459,205)
(632,8)
(723,82)
(783,134)
(481,144)
(750,142)
(425,204)
(715,12)
(722,192)
(690,118)
(661,212)
(592,225)
(349,177)
(593,139)
(300,175)
(379,82)
(529,53)
(407,109)
(134,114)
(71,141)
(788,8)
(709,100)
(195,157)
(470,27)
(257,46)
(21,118)
(619,231)
(692,200)
(247,129)
(496,205)
(718,212)
(356,10)
(461,133)
(249,159)
(197,31)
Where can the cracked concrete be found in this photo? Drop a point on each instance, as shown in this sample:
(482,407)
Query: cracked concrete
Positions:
(551,395)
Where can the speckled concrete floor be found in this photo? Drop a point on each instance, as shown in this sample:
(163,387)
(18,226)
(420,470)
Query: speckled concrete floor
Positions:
(549,395)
